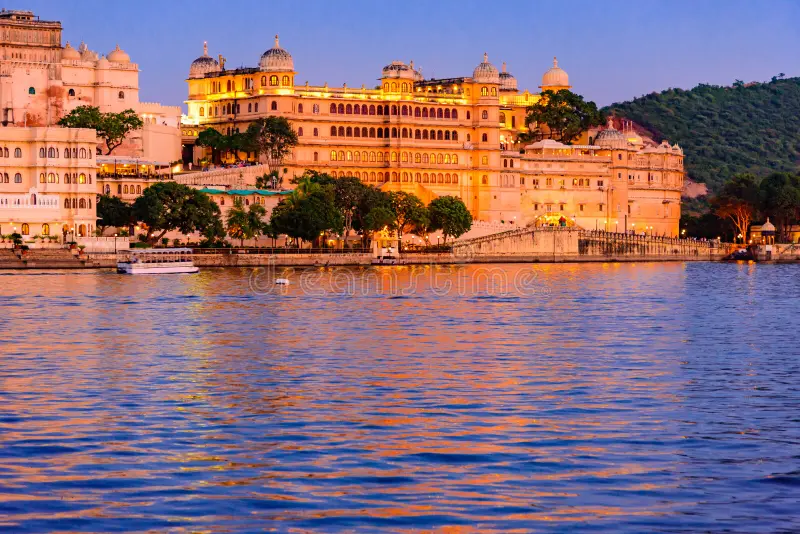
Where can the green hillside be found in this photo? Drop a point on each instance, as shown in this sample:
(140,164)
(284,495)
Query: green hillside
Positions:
(725,130)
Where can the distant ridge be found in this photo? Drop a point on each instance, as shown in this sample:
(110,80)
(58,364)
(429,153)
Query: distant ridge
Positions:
(752,127)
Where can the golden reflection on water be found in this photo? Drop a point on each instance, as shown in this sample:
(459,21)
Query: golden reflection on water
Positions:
(458,399)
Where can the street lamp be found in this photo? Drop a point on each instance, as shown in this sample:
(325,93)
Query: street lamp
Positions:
(616,224)
(741,237)
(115,244)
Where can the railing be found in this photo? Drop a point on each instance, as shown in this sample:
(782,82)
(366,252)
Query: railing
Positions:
(604,235)
(281,250)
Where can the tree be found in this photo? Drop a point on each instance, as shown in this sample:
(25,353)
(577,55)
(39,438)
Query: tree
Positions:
(348,191)
(308,216)
(113,128)
(780,199)
(738,201)
(450,215)
(113,212)
(273,137)
(255,221)
(238,223)
(409,212)
(565,114)
(374,213)
(166,206)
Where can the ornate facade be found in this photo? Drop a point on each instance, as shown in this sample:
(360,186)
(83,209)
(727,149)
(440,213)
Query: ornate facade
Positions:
(47,181)
(455,136)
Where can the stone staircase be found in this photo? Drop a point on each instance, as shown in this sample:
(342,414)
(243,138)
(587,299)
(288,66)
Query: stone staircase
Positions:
(40,259)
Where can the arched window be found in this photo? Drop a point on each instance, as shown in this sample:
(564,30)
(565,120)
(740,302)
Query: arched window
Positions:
(424,177)
(82,204)
(121,95)
(316,132)
(340,108)
(447,113)
(333,108)
(249,108)
(447,135)
(66,203)
(363,131)
(405,87)
(372,157)
(17,152)
(468,115)
(394,87)
(348,132)
(395,177)
(348,109)
(439,113)
(394,132)
(417,158)
(372,132)
(484,180)
(42,178)
(18,178)
(263,80)
(484,114)
(349,156)
(484,91)
(138,189)
(502,118)
(404,109)
(418,177)
(285,81)
(356,130)
(417,112)
(386,132)
(300,131)
(26,230)
(404,133)
(333,155)
(82,178)
(83,153)
(341,131)
(454,114)
(505,163)
(274,105)
(494,91)
(439,136)
(424,134)
(455,178)
(333,131)
(315,109)
(394,109)
(316,156)
(439,159)
(424,113)
(380,109)
(380,133)
(124,190)
(424,158)
(484,138)
(357,155)
(454,136)
(364,156)
(273,80)
(372,112)
(341,155)
(455,159)
(51,178)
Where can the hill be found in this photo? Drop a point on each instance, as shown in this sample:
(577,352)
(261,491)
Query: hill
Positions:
(725,130)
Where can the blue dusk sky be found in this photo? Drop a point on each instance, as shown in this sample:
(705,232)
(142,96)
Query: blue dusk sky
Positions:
(613,50)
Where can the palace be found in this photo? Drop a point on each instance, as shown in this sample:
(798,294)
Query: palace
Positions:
(40,82)
(455,136)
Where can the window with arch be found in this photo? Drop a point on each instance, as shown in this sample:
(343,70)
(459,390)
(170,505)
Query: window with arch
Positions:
(447,135)
(17,152)
(249,108)
(439,159)
(315,109)
(285,80)
(341,155)
(484,180)
(83,153)
(26,230)
(341,131)
(484,138)
(502,118)
(316,156)
(405,87)
(42,178)
(81,178)
(372,112)
(333,155)
(18,178)
(424,113)
(316,132)
(484,91)
(273,80)
(71,92)
(255,107)
(439,113)
(417,158)
(202,111)
(484,160)
(417,112)
(67,203)
(300,131)
(121,95)
(348,132)
(125,189)
(333,108)
(299,108)
(82,204)
(333,131)
(439,136)
(42,153)
(357,156)
(494,91)
(484,114)
(274,105)
(404,109)
(454,114)
(263,80)
(138,189)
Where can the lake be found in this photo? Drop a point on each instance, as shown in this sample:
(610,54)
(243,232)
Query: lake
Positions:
(495,398)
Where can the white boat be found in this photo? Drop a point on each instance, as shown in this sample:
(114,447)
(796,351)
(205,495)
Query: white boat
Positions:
(157,261)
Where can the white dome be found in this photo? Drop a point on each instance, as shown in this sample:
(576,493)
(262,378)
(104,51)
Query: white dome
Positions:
(86,54)
(203,65)
(486,72)
(119,56)
(611,137)
(555,76)
(70,54)
(398,69)
(507,80)
(276,59)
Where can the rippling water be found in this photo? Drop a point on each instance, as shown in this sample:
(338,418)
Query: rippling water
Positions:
(624,398)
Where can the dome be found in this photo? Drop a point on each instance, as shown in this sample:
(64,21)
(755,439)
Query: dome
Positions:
(507,80)
(86,54)
(767,227)
(555,76)
(398,69)
(486,72)
(203,65)
(276,59)
(70,53)
(119,56)
(611,137)
(103,63)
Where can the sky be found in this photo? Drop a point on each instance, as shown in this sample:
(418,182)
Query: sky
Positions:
(613,50)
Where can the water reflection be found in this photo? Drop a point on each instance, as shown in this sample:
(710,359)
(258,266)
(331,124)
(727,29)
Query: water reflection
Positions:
(500,398)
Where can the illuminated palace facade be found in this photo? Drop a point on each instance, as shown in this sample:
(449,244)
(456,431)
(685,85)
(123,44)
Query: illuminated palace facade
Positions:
(454,136)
